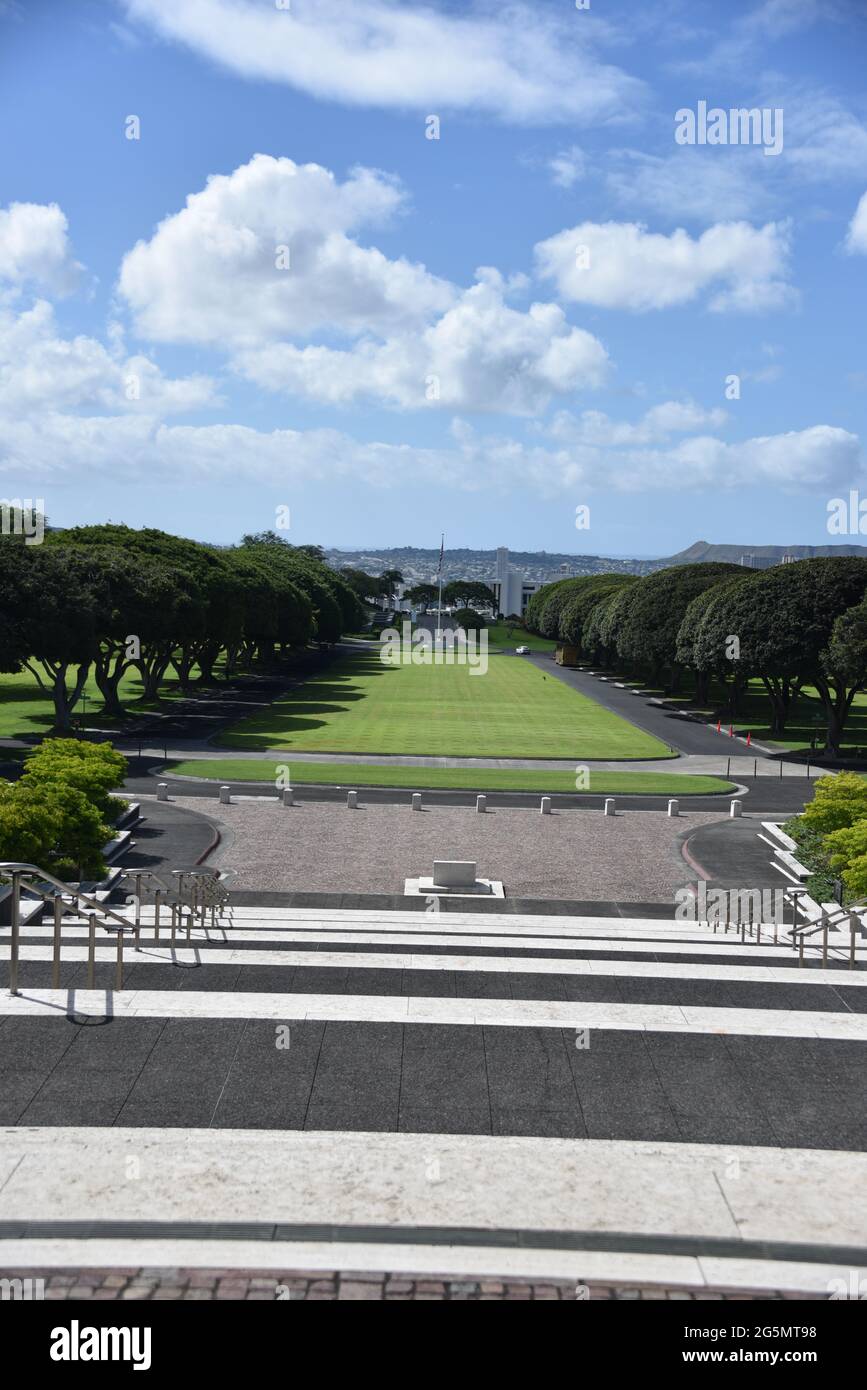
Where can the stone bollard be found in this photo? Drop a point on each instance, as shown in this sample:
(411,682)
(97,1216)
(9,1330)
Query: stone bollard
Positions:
(545,806)
(287,796)
(416,801)
(736,808)
(609,806)
(162,791)
(674,808)
(226,795)
(481,804)
(352,801)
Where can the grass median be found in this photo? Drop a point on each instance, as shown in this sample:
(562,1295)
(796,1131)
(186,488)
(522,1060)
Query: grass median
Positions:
(266,771)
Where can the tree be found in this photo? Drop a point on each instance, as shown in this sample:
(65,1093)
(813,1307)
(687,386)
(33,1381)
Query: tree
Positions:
(585,593)
(654,610)
(838,802)
(54,827)
(468,619)
(94,769)
(708,658)
(783,621)
(464,593)
(421,595)
(60,604)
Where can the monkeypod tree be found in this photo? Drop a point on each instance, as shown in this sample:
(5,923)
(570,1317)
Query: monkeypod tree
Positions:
(464,593)
(783,621)
(60,601)
(602,629)
(585,594)
(422,595)
(654,610)
(706,660)
(469,619)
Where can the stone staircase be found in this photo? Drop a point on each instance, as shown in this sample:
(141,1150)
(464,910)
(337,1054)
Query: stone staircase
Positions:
(616,1101)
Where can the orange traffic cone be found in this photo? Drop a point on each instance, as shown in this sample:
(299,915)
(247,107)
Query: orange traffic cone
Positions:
(731,731)
(718,723)
(749,739)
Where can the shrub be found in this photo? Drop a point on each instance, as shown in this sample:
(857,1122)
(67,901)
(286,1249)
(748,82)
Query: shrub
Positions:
(839,802)
(91,768)
(55,827)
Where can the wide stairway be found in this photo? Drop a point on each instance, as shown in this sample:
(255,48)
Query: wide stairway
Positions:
(628,1104)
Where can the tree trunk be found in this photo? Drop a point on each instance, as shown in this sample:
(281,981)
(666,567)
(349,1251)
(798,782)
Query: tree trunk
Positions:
(65,700)
(108,682)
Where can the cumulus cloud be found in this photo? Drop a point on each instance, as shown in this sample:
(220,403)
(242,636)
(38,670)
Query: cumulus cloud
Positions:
(515,62)
(209,275)
(55,446)
(856,240)
(34,248)
(41,370)
(656,426)
(265,252)
(480,355)
(621,265)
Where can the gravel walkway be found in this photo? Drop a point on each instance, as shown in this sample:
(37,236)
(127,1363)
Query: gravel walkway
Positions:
(322,847)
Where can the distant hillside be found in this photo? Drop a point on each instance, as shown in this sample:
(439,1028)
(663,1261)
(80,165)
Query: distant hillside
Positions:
(759,556)
(420,566)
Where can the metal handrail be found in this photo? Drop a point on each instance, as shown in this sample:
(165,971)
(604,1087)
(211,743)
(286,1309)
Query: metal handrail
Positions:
(18,871)
(800,931)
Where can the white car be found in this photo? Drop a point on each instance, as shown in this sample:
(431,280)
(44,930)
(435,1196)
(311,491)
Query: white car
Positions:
(522,651)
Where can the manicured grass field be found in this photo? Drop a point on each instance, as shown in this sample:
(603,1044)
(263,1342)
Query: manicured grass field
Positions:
(513,710)
(499,635)
(439,778)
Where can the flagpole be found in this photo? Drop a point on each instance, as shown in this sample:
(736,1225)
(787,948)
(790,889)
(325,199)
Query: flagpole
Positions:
(440,599)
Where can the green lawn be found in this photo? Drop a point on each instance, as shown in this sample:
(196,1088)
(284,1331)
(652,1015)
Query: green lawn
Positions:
(499,635)
(438,778)
(25,710)
(513,710)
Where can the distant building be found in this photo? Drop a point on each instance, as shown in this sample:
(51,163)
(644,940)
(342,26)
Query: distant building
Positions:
(513,592)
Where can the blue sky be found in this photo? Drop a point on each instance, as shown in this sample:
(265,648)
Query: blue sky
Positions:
(478,333)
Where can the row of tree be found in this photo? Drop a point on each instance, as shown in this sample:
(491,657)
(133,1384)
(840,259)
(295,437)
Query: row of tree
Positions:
(790,626)
(108,598)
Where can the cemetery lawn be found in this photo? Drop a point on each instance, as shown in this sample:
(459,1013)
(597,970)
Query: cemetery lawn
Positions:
(512,711)
(477,779)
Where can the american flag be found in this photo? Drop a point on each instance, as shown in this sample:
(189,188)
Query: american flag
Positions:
(440,565)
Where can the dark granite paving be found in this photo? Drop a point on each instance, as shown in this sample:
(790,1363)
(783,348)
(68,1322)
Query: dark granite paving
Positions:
(210,974)
(433,1078)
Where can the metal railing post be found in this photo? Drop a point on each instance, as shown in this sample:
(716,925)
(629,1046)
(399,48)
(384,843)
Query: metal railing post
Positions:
(801,948)
(91,949)
(854,924)
(824,939)
(157,915)
(118,975)
(55,964)
(16,928)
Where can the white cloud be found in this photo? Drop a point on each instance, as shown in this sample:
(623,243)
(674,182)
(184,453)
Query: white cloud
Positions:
(567,166)
(516,62)
(41,371)
(655,426)
(208,275)
(34,248)
(480,355)
(856,240)
(210,272)
(51,446)
(620,265)
(687,184)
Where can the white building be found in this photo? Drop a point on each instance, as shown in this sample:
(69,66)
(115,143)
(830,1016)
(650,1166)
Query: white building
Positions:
(513,591)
